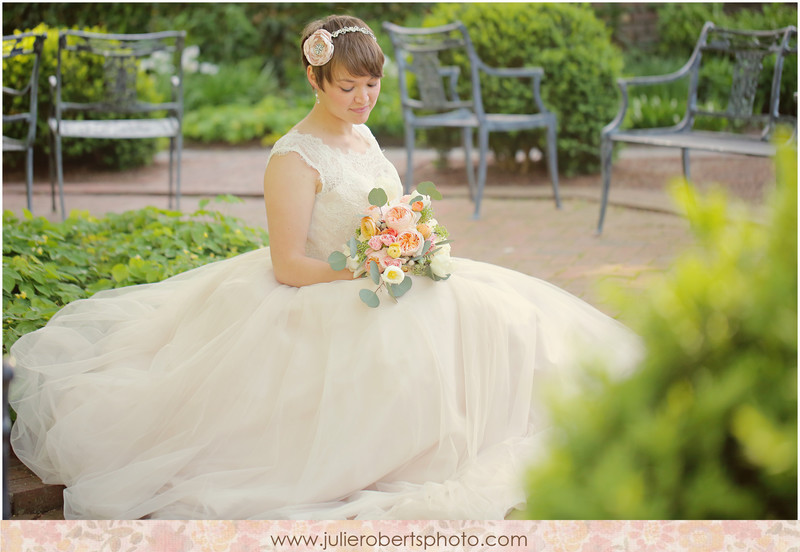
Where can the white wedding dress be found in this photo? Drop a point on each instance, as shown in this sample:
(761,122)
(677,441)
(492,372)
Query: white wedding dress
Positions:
(222,394)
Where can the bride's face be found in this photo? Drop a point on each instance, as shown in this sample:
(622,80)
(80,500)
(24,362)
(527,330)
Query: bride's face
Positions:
(351,98)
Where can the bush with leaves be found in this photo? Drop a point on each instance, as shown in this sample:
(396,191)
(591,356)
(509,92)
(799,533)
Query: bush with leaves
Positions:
(119,154)
(707,426)
(49,264)
(580,67)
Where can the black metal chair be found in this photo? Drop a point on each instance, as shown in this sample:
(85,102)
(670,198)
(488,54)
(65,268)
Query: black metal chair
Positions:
(121,56)
(29,45)
(747,54)
(437,104)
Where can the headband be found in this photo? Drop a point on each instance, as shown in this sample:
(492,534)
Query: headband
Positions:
(318,48)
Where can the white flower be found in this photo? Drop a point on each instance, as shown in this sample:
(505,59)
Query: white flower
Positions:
(441,263)
(393,275)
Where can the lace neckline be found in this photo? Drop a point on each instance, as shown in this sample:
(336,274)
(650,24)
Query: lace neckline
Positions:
(313,137)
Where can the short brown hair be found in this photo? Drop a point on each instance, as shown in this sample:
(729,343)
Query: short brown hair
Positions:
(355,52)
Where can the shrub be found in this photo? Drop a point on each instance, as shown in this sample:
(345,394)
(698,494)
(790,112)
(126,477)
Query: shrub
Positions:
(707,427)
(120,154)
(47,264)
(580,64)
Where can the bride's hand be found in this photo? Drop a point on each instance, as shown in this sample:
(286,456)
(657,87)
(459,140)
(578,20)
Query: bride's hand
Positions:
(290,186)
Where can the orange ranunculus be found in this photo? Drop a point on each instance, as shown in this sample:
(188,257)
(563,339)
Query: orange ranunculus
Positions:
(368,228)
(425,230)
(417,206)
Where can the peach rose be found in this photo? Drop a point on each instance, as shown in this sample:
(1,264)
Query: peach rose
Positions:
(400,217)
(411,243)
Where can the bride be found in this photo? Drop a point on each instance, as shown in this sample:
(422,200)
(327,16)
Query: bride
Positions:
(261,387)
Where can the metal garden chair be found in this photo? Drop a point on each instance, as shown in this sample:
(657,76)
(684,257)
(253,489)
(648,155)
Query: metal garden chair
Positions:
(29,45)
(436,103)
(121,56)
(747,54)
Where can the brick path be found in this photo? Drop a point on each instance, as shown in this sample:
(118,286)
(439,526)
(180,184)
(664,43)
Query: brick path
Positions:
(520,227)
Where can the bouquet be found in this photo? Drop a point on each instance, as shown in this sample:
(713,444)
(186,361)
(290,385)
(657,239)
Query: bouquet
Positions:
(394,239)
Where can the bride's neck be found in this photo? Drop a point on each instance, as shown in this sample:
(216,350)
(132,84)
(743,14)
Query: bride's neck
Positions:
(321,120)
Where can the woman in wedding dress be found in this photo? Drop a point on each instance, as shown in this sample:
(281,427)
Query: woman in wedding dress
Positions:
(261,387)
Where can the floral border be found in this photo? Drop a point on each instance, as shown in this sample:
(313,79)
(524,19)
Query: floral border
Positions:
(503,536)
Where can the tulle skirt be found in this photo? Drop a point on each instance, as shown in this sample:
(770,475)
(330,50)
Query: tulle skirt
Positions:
(221,394)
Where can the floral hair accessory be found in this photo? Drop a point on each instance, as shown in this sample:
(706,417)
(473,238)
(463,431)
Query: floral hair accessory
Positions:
(318,48)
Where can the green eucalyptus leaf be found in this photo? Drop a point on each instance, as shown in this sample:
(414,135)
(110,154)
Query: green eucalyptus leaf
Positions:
(369,297)
(429,189)
(398,290)
(375,273)
(337,260)
(353,246)
(378,197)
(415,199)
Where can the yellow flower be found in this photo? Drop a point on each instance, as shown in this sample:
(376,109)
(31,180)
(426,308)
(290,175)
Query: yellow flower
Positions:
(394,250)
(22,295)
(368,228)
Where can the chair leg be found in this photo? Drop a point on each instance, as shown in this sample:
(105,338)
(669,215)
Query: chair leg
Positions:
(60,176)
(29,176)
(171,155)
(409,180)
(685,160)
(606,150)
(552,160)
(178,151)
(483,144)
(52,171)
(467,133)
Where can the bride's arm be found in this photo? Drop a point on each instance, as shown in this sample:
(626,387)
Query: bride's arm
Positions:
(289,189)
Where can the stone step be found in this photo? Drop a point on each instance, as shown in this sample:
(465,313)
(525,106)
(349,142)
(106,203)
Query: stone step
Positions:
(30,498)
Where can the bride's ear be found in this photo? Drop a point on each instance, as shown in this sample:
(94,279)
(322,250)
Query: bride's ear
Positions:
(312,79)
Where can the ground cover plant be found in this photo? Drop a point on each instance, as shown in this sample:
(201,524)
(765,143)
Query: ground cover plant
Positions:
(49,264)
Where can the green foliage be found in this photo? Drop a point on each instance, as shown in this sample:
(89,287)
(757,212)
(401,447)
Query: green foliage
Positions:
(580,64)
(707,426)
(679,27)
(47,264)
(237,123)
(120,154)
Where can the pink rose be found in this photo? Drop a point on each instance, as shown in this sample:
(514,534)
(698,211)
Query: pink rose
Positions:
(387,239)
(388,261)
(375,242)
(400,217)
(318,48)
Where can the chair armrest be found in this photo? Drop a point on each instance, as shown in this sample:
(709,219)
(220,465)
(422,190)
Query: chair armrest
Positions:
(536,72)
(624,82)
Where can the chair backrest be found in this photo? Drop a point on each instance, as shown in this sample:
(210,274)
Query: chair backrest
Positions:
(118,58)
(28,45)
(427,72)
(753,63)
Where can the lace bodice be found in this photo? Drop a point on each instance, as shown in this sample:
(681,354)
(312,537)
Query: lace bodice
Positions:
(347,179)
